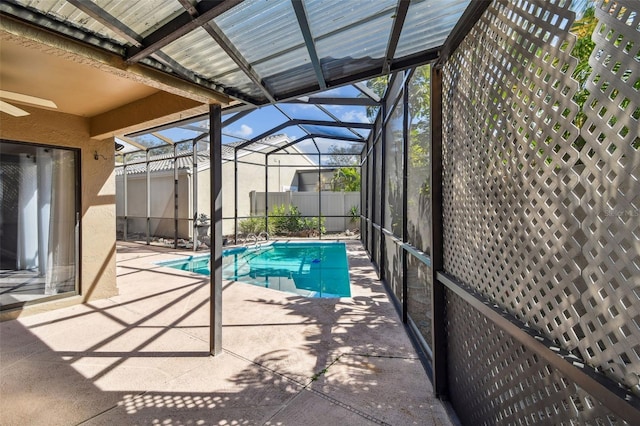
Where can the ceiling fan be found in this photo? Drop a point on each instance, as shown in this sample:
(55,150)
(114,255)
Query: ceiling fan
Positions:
(20,98)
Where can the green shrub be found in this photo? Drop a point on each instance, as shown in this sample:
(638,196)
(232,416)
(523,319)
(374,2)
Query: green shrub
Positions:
(311,224)
(251,225)
(286,221)
(282,221)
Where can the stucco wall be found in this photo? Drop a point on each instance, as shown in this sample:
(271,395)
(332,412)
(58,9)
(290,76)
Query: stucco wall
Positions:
(251,175)
(162,203)
(98,242)
(250,178)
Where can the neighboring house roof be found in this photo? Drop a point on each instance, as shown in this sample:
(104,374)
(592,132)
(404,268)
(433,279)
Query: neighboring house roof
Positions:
(164,162)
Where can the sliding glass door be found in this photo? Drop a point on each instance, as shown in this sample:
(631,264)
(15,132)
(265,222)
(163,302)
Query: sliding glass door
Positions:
(39,226)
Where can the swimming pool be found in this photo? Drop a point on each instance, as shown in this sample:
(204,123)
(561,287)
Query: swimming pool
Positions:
(310,269)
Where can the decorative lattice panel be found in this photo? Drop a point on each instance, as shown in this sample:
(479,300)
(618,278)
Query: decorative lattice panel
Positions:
(541,172)
(610,206)
(504,383)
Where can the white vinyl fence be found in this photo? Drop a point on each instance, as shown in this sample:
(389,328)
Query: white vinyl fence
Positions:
(331,204)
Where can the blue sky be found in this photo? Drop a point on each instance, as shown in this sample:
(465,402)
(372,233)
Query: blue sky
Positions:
(270,116)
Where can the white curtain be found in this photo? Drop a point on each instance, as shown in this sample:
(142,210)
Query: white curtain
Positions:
(61,257)
(44,206)
(47,218)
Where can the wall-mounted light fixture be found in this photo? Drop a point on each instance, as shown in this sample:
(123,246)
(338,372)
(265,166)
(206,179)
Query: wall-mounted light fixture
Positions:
(117,147)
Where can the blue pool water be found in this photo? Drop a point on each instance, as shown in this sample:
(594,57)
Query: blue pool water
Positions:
(310,269)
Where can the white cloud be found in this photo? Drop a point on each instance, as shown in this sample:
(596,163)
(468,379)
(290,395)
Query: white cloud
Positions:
(303,106)
(243,132)
(355,116)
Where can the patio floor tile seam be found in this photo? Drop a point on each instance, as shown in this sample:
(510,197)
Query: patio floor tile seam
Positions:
(346,406)
(270,370)
(307,386)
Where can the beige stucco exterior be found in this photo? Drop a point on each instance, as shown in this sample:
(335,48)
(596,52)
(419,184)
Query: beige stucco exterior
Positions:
(250,178)
(96,96)
(98,248)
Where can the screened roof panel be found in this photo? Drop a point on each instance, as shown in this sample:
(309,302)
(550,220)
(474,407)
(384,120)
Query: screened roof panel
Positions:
(356,48)
(286,72)
(327,131)
(239,81)
(428,24)
(325,18)
(367,39)
(259,28)
(148,140)
(340,147)
(337,92)
(142,16)
(329,146)
(178,134)
(256,123)
(304,111)
(335,68)
(349,113)
(191,50)
(363,132)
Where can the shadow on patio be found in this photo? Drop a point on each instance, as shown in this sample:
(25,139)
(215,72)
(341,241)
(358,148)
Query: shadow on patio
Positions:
(142,357)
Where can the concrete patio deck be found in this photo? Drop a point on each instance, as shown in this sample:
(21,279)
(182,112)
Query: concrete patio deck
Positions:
(142,357)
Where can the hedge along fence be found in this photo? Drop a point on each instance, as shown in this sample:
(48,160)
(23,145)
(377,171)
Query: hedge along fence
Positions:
(335,207)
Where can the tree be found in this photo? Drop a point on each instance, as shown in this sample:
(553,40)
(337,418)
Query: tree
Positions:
(583,29)
(341,156)
(346,179)
(379,87)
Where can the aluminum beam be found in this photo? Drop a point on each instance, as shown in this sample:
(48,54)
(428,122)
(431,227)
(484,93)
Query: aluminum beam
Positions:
(303,22)
(318,100)
(178,27)
(398,22)
(308,122)
(223,41)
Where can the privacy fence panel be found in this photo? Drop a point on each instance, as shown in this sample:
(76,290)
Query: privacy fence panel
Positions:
(541,204)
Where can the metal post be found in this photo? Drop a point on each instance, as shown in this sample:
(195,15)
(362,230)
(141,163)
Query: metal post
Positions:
(194,194)
(126,196)
(175,199)
(319,194)
(383,190)
(405,197)
(438,302)
(148,198)
(235,196)
(373,193)
(266,193)
(364,210)
(215,139)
